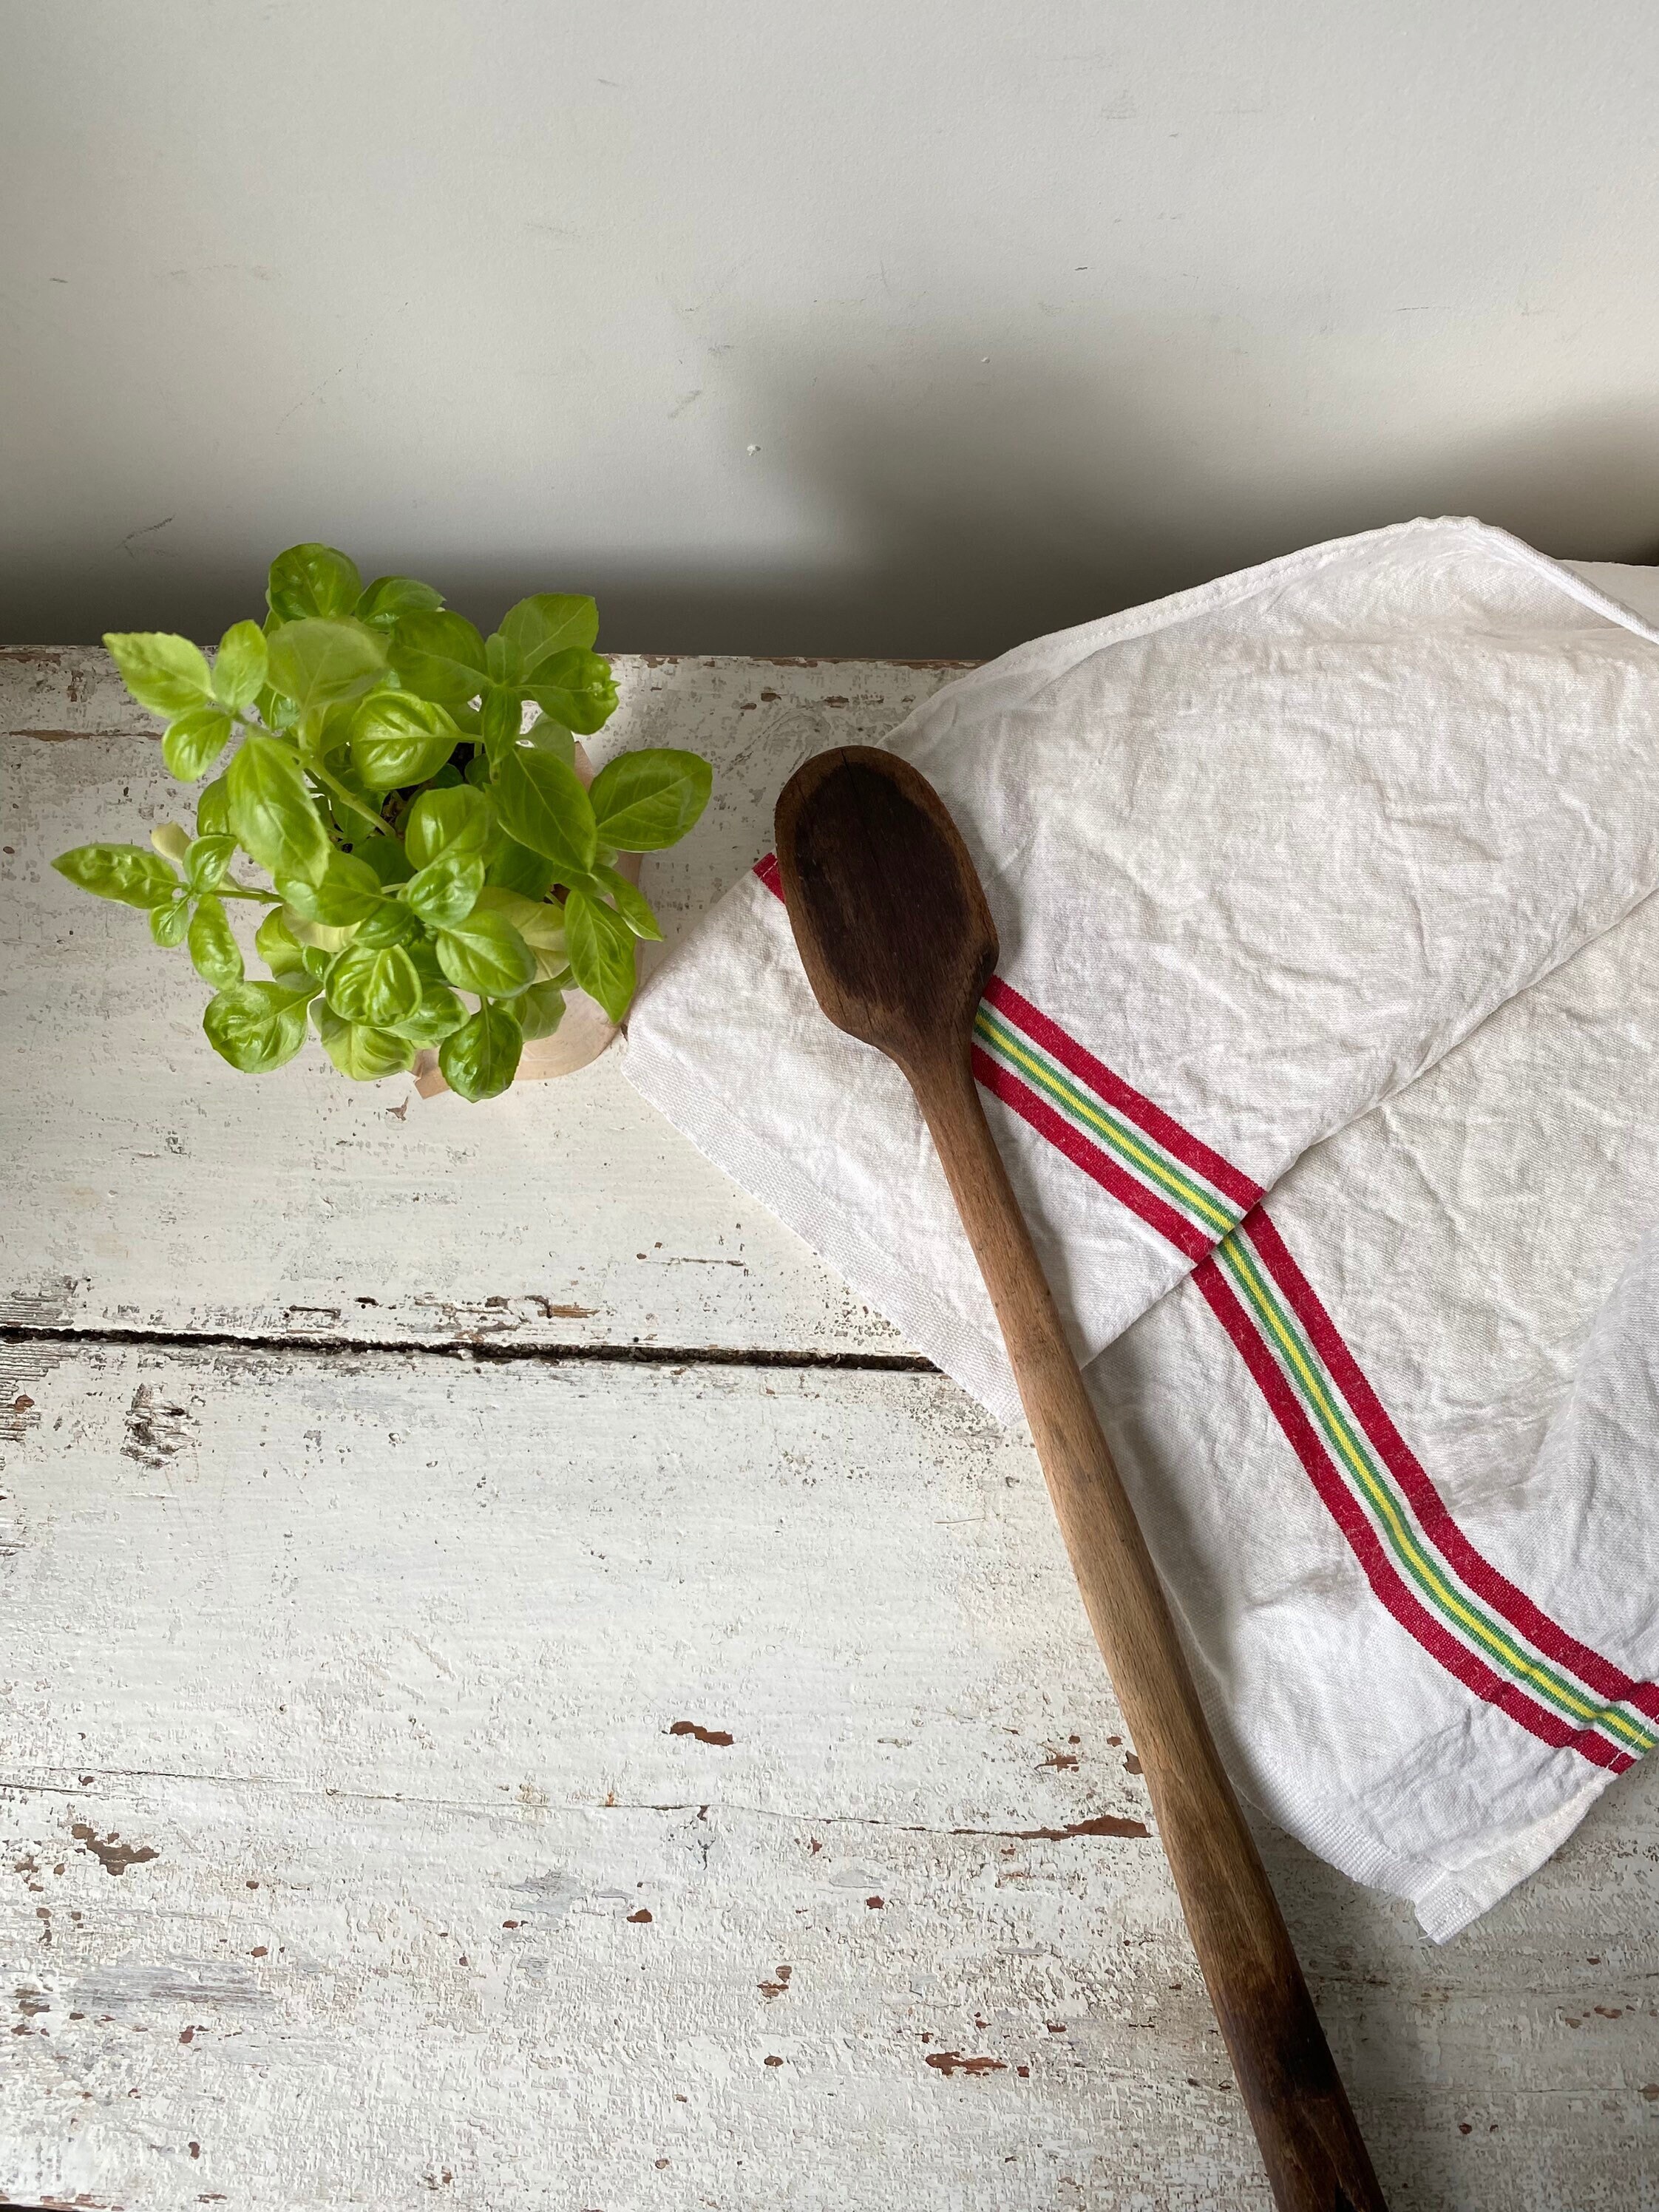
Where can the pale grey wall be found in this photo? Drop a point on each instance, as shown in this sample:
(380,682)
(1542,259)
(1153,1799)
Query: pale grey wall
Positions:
(883,326)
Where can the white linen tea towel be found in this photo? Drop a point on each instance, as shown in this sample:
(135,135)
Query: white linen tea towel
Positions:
(1259,856)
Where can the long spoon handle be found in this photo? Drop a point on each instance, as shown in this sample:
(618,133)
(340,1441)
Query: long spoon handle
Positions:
(1314,2157)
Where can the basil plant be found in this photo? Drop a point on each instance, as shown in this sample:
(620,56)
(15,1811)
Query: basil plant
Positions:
(439,876)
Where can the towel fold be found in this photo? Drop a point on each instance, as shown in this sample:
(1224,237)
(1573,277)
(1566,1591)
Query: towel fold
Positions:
(1322,1051)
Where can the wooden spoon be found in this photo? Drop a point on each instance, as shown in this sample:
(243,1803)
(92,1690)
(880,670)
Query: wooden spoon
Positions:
(898,945)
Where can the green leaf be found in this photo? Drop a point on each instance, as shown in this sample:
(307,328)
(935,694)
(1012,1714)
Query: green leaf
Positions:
(441,656)
(167,924)
(195,740)
(554,968)
(630,901)
(601,953)
(213,809)
(515,867)
(348,892)
(482,1057)
(453,821)
(239,666)
(438,1016)
(214,951)
(256,1026)
(362,1052)
(485,953)
(541,803)
(576,689)
(540,1010)
(277,946)
(126,872)
(501,720)
(540,923)
(316,662)
(316,936)
(375,984)
(397,738)
(165,673)
(646,800)
(546,736)
(312,580)
(172,840)
(206,859)
(389,598)
(551,622)
(272,810)
(447,889)
(386,857)
(392,923)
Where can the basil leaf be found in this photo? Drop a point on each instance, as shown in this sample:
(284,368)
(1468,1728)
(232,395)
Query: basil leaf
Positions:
(453,821)
(195,740)
(438,1016)
(515,867)
(546,736)
(346,892)
(167,924)
(206,859)
(440,656)
(553,968)
(363,1053)
(392,923)
(397,738)
(165,673)
(541,924)
(501,720)
(447,889)
(550,623)
(316,936)
(317,663)
(540,1010)
(375,984)
(425,953)
(125,872)
(272,810)
(601,953)
(482,1057)
(389,598)
(214,951)
(172,840)
(312,580)
(213,809)
(485,953)
(276,945)
(541,803)
(256,1026)
(238,666)
(576,689)
(386,858)
(630,902)
(646,800)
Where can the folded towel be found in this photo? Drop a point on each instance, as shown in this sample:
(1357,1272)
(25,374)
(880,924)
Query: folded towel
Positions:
(1259,855)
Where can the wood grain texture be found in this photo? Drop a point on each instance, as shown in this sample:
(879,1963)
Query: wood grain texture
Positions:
(405,1641)
(562,1213)
(896,938)
(488,1592)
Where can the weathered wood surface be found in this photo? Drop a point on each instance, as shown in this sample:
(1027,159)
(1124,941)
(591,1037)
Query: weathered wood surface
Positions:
(403,1636)
(342,1763)
(166,1191)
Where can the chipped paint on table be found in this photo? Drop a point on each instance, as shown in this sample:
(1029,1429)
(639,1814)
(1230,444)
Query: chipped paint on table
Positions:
(461,1749)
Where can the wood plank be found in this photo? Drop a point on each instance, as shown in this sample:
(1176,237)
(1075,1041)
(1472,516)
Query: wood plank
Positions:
(342,1751)
(167,1192)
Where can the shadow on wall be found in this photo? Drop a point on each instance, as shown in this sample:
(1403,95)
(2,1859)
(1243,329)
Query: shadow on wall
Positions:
(958,518)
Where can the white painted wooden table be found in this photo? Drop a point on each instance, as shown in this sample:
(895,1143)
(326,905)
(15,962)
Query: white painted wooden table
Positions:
(518,1692)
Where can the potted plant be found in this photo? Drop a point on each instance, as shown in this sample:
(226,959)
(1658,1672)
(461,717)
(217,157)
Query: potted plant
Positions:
(442,880)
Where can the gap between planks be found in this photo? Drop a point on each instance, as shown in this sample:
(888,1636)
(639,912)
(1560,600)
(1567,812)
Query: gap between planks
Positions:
(186,1341)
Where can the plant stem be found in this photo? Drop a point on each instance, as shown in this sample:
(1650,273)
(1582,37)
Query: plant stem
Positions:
(237,891)
(332,784)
